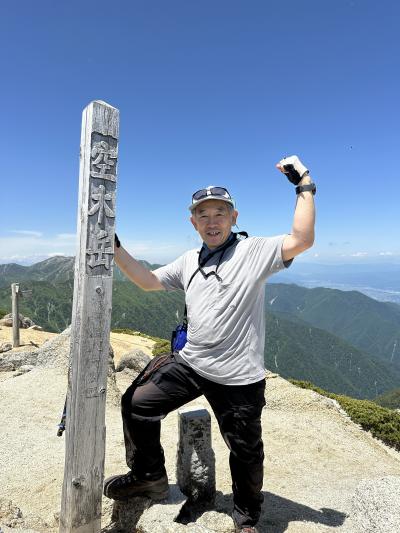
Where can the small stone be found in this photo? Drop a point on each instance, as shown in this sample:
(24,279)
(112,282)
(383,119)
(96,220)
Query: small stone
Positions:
(5,347)
(26,368)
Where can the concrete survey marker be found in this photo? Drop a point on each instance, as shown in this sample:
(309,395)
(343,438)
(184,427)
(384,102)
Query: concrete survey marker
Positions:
(195,466)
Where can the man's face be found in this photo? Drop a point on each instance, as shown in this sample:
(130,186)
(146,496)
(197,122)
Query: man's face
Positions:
(213,220)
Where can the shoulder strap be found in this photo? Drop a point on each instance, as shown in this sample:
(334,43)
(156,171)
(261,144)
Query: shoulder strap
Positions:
(202,262)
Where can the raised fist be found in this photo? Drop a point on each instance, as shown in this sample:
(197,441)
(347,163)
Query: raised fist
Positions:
(293,168)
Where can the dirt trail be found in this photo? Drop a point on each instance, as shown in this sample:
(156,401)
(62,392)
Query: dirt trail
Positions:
(315,456)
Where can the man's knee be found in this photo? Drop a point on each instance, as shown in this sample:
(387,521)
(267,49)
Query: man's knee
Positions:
(143,403)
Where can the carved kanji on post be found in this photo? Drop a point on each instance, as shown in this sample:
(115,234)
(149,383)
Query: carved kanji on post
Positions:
(102,155)
(101,206)
(100,249)
(100,197)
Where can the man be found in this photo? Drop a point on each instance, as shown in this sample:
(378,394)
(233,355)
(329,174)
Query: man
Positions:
(223,357)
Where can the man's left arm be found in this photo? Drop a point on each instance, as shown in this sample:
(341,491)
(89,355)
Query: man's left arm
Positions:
(302,235)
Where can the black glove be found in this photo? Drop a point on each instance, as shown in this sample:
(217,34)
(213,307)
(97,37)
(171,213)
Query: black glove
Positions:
(293,168)
(117,241)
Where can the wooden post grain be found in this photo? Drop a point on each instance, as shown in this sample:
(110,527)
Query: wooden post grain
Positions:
(15,314)
(91,316)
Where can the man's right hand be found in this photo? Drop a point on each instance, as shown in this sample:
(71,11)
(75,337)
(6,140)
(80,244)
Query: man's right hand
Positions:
(293,168)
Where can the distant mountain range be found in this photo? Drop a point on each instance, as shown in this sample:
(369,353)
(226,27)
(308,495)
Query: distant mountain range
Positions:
(344,342)
(380,281)
(54,270)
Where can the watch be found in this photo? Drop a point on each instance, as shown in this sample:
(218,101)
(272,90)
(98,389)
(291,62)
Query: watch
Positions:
(309,187)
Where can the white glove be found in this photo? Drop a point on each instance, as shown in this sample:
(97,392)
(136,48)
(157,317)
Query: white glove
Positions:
(293,168)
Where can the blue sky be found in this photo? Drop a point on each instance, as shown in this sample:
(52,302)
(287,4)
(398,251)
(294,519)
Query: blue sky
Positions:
(209,92)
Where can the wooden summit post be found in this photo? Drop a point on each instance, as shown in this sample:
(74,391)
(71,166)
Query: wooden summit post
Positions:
(91,317)
(15,313)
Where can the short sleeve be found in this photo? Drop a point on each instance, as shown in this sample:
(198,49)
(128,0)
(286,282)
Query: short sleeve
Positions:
(171,275)
(265,255)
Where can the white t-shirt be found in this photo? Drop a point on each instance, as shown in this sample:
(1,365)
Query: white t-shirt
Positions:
(226,325)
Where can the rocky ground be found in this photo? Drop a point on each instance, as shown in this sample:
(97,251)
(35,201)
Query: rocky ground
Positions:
(322,472)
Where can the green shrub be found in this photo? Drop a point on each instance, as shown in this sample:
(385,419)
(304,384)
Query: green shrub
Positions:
(3,312)
(383,423)
(126,331)
(161,346)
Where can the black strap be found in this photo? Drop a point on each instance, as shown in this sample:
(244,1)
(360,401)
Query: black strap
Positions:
(233,239)
(309,187)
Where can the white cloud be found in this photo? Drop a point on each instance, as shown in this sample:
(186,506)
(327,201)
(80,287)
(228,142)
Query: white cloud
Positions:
(359,254)
(28,233)
(386,253)
(27,247)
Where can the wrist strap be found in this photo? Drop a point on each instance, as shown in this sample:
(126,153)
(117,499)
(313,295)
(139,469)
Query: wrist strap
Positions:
(309,187)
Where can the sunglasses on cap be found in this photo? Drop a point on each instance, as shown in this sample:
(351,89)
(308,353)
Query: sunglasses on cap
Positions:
(211,191)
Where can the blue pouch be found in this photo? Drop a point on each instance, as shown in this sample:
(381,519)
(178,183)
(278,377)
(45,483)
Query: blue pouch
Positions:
(179,337)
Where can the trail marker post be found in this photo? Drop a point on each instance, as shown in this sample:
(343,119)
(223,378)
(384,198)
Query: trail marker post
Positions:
(91,316)
(15,314)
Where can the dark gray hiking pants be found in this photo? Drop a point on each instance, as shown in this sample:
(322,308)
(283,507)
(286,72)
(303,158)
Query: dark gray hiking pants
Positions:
(167,384)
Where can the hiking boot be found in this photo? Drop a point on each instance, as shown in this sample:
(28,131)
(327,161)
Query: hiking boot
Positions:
(129,485)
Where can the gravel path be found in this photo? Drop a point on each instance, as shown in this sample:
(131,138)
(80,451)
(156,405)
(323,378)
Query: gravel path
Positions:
(315,456)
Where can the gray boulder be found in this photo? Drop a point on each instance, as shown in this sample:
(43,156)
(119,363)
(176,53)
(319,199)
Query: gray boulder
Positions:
(11,361)
(55,352)
(7,321)
(135,360)
(24,321)
(5,347)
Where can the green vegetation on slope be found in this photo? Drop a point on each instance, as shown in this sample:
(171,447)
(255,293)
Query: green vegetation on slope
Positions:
(49,305)
(299,351)
(383,423)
